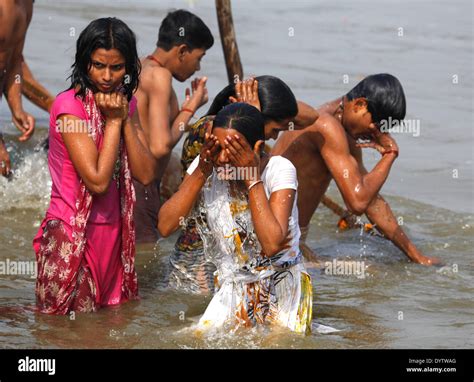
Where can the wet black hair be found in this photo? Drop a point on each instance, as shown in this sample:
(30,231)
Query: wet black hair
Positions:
(106,33)
(384,94)
(244,118)
(277,101)
(183,27)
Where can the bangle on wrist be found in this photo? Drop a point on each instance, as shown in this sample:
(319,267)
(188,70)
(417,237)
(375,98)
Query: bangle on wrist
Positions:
(188,110)
(391,151)
(254,183)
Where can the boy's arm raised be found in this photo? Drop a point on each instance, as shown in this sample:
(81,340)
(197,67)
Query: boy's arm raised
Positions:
(162,138)
(357,189)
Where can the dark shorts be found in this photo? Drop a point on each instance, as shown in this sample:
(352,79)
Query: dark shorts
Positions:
(146,211)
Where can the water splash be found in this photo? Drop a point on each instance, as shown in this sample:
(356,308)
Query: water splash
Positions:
(225,225)
(30,184)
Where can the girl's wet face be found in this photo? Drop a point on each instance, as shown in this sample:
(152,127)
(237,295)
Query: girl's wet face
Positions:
(273,128)
(221,133)
(222,162)
(107,69)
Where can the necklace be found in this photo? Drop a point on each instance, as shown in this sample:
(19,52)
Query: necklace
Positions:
(153,58)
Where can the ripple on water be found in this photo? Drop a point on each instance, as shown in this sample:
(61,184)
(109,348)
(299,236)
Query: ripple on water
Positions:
(434,301)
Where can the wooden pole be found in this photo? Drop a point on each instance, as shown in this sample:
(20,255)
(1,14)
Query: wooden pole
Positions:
(229,42)
(351,219)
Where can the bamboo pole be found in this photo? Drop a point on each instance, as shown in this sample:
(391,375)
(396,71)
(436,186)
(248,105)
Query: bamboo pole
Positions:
(351,219)
(228,39)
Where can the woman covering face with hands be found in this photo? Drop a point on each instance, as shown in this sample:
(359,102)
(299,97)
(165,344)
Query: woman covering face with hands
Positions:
(189,270)
(244,206)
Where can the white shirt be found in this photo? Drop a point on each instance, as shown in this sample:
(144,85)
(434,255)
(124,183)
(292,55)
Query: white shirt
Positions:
(279,174)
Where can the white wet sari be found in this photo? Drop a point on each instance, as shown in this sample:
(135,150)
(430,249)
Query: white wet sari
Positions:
(251,289)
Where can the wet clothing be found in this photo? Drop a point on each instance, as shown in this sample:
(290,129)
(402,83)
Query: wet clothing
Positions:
(189,270)
(85,247)
(146,210)
(251,288)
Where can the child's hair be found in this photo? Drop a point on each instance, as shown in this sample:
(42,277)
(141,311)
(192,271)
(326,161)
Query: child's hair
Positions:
(244,118)
(106,33)
(384,95)
(183,27)
(277,101)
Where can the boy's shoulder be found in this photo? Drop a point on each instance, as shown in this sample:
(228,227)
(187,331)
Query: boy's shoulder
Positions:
(155,76)
(327,125)
(325,120)
(328,131)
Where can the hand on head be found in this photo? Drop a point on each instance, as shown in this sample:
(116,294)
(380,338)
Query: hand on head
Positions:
(247,91)
(242,155)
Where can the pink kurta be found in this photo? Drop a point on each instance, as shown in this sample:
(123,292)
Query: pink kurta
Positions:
(103,232)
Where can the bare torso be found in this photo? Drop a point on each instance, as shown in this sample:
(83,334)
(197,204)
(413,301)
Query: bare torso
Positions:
(313,175)
(14,19)
(302,148)
(148,67)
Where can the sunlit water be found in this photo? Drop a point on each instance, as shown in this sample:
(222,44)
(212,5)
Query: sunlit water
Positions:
(397,304)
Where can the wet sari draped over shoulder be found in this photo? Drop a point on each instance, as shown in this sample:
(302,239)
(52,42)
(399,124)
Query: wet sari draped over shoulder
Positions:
(64,281)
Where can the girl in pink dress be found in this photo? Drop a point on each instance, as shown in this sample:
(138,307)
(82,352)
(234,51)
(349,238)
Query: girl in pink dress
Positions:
(85,247)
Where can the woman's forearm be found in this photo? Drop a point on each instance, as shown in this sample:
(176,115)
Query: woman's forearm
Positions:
(142,162)
(180,204)
(267,227)
(107,157)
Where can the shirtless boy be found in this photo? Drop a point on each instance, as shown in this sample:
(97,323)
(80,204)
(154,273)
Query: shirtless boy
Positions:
(182,42)
(328,150)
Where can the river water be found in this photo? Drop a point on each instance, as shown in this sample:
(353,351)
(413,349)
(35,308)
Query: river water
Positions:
(321,49)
